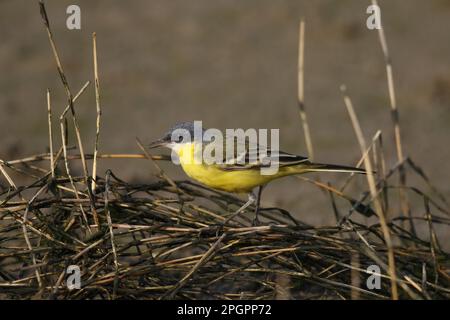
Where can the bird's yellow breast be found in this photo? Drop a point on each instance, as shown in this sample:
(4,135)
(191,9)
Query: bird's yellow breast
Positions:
(213,176)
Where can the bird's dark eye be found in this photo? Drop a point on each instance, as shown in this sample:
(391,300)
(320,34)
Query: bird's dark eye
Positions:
(177,139)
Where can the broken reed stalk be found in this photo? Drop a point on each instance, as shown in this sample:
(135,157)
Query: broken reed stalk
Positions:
(395,119)
(63,128)
(75,98)
(111,235)
(50,134)
(70,101)
(301,90)
(88,156)
(98,108)
(27,239)
(361,160)
(374,193)
(391,88)
(71,104)
(64,138)
(382,172)
(65,84)
(6,175)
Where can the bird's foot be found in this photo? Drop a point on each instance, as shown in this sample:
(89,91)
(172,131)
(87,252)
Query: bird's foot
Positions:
(215,229)
(256,222)
(219,229)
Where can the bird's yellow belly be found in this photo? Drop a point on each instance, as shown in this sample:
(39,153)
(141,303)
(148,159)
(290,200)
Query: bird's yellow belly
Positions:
(238,181)
(230,181)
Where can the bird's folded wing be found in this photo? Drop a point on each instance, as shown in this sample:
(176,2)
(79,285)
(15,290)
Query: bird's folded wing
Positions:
(245,156)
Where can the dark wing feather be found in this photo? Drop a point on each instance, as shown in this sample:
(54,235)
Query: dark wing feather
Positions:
(245,157)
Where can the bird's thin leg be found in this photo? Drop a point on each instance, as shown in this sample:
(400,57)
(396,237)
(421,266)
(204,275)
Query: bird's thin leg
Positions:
(251,200)
(258,201)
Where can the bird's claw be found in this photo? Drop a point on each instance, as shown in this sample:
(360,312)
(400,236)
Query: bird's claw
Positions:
(256,222)
(218,229)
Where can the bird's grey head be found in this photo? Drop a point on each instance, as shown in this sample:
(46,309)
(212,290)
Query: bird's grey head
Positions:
(187,126)
(180,133)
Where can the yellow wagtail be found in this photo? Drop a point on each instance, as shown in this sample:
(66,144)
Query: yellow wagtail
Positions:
(238,174)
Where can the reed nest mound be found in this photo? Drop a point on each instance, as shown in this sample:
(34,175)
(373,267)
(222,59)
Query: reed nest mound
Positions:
(172,239)
(154,241)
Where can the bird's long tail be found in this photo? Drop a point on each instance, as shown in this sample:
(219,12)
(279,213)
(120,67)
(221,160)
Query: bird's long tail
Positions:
(323,167)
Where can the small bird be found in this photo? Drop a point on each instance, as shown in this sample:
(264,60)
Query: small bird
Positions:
(238,176)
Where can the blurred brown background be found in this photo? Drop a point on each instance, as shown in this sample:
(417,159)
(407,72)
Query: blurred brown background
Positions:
(232,64)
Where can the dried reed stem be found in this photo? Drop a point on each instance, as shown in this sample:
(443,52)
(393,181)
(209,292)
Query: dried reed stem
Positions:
(46,156)
(396,121)
(361,160)
(50,133)
(392,98)
(373,191)
(301,90)
(99,111)
(27,238)
(6,175)
(111,235)
(66,86)
(69,175)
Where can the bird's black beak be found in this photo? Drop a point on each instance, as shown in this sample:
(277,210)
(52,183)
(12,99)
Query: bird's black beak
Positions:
(158,143)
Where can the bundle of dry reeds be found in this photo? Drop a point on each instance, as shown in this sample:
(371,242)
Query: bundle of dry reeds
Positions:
(168,239)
